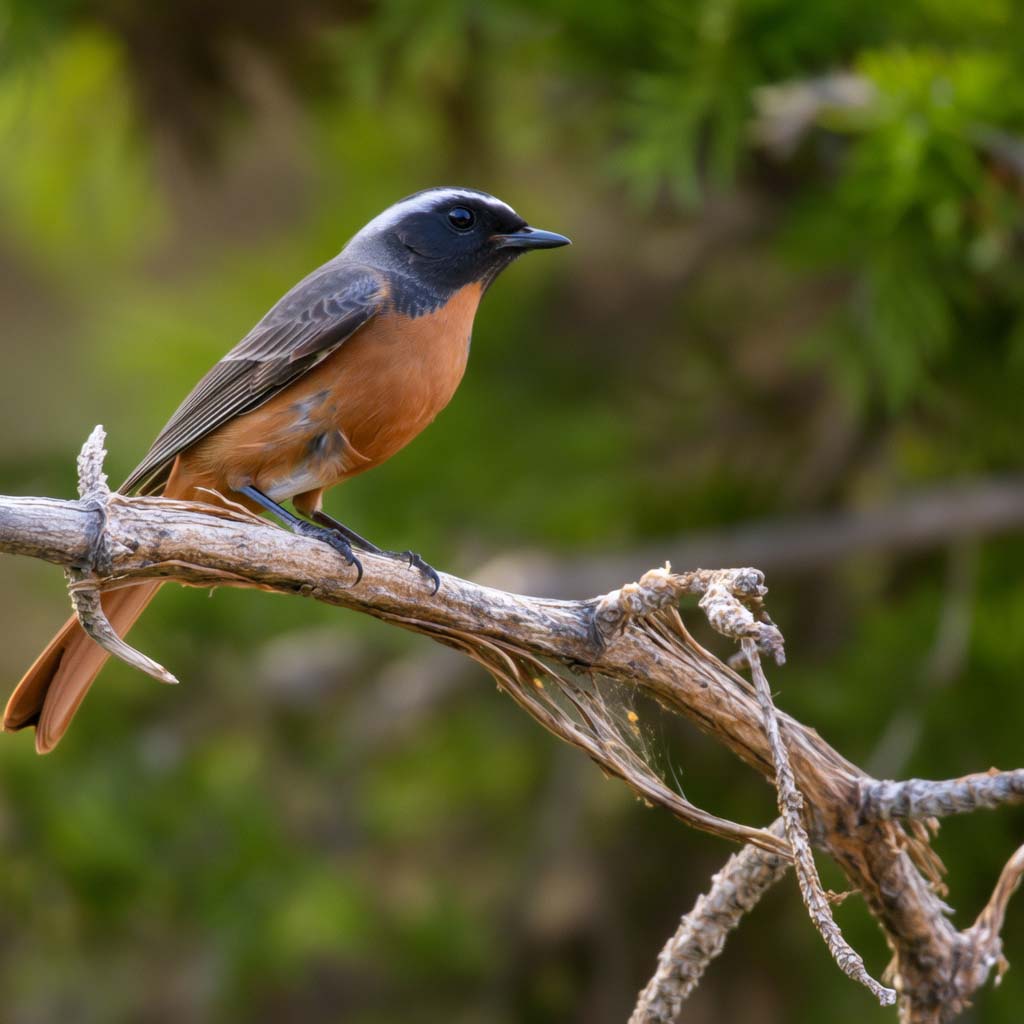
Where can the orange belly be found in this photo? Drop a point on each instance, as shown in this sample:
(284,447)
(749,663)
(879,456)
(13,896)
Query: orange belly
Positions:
(348,414)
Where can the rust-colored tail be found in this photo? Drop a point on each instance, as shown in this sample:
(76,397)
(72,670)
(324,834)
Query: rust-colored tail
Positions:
(51,690)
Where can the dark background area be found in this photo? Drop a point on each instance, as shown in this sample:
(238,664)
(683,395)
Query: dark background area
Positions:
(801,302)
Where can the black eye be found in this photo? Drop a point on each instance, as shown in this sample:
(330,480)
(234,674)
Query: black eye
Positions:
(460,218)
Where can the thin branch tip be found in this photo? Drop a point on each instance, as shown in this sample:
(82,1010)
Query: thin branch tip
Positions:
(884,799)
(89,609)
(92,481)
(702,933)
(986,945)
(791,802)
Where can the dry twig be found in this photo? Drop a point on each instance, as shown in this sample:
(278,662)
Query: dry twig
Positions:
(985,942)
(791,805)
(701,935)
(923,798)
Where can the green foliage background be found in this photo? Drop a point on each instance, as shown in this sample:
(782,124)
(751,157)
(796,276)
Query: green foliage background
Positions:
(734,336)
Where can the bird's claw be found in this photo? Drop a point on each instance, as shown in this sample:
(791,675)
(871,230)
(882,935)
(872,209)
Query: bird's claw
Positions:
(426,570)
(335,540)
(359,569)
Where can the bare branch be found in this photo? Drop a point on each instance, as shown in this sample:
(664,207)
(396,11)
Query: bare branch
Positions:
(701,934)
(554,660)
(574,709)
(922,798)
(791,804)
(984,939)
(86,601)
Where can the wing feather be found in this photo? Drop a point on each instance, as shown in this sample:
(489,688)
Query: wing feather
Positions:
(309,323)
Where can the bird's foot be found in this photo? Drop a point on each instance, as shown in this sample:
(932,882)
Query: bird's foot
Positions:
(415,561)
(334,539)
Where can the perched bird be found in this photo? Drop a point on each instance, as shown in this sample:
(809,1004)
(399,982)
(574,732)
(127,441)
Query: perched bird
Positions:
(345,370)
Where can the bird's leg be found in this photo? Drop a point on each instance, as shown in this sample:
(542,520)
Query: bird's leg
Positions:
(414,560)
(329,534)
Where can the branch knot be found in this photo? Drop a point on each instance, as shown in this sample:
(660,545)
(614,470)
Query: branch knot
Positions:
(732,599)
(83,578)
(656,589)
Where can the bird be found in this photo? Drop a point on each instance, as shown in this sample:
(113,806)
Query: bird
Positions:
(341,373)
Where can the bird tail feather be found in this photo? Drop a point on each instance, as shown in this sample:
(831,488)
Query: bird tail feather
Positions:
(51,691)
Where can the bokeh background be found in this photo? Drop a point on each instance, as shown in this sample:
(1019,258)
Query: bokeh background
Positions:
(796,295)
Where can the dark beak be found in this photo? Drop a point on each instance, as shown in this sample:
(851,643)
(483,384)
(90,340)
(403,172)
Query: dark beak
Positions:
(530,238)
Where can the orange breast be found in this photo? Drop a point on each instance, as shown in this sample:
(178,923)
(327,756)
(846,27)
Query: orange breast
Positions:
(350,413)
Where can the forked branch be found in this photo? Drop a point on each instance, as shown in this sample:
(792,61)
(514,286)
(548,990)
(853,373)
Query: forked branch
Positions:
(562,662)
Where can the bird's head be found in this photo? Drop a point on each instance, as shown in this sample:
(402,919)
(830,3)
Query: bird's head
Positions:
(449,237)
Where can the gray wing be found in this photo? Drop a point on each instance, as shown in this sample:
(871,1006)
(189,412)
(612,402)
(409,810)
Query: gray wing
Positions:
(309,323)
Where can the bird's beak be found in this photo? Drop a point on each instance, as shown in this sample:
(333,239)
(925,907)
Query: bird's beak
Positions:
(530,238)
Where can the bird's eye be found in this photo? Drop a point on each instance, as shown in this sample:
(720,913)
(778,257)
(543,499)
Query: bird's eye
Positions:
(460,218)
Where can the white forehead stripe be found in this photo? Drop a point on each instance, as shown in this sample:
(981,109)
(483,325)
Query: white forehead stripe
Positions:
(427,201)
